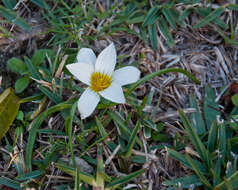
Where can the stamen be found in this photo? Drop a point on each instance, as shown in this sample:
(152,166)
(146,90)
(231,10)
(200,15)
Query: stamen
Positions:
(100,81)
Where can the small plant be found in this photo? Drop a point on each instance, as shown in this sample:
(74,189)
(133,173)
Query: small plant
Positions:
(214,158)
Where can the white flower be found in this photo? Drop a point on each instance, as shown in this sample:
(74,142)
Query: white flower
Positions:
(98,73)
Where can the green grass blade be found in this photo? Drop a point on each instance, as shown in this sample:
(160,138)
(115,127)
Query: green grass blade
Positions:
(160,72)
(14,18)
(200,148)
(185,182)
(77,185)
(164,29)
(69,129)
(153,35)
(196,118)
(150,16)
(52,96)
(210,107)
(125,179)
(32,69)
(169,17)
(233,180)
(212,135)
(132,140)
(35,126)
(30,175)
(40,3)
(213,15)
(199,173)
(10,183)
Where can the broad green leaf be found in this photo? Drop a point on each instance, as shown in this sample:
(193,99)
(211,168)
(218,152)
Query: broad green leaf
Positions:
(196,117)
(21,84)
(39,57)
(210,107)
(13,17)
(10,4)
(17,66)
(164,29)
(235,99)
(9,105)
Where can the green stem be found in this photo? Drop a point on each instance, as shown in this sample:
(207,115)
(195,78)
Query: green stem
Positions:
(160,72)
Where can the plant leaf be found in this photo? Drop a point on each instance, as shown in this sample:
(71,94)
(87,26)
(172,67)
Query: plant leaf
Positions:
(213,15)
(13,17)
(17,66)
(9,105)
(21,84)
(235,99)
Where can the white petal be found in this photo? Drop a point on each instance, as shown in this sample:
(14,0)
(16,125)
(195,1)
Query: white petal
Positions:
(106,60)
(82,71)
(87,103)
(86,55)
(114,93)
(126,75)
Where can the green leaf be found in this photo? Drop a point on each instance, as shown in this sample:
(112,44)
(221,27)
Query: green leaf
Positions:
(233,181)
(233,7)
(169,17)
(212,135)
(185,182)
(210,107)
(30,175)
(132,140)
(35,126)
(199,173)
(235,99)
(9,105)
(21,84)
(10,4)
(32,69)
(213,15)
(222,141)
(153,35)
(40,3)
(10,183)
(123,180)
(151,16)
(200,148)
(196,117)
(52,96)
(160,72)
(164,29)
(17,66)
(13,17)
(39,57)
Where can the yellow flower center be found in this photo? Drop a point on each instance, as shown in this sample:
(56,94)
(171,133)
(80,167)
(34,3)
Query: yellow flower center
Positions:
(100,81)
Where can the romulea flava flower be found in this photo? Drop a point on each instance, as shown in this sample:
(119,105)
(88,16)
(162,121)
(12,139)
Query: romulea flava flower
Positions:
(98,73)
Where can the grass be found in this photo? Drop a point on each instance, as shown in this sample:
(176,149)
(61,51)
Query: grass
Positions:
(168,135)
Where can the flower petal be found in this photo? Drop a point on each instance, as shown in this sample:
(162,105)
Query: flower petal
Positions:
(87,103)
(82,71)
(114,93)
(86,55)
(106,60)
(126,75)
